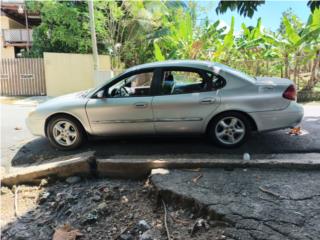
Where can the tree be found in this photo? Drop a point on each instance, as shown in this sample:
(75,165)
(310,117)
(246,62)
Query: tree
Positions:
(245,8)
(184,39)
(64,27)
(125,29)
(298,44)
(293,19)
(248,8)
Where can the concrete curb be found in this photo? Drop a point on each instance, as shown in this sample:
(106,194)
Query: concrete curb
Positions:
(86,164)
(79,164)
(140,168)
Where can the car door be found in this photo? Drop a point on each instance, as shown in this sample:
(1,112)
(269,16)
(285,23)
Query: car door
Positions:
(185,100)
(125,106)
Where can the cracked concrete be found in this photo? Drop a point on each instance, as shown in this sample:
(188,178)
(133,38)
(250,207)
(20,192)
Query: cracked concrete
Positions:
(256,203)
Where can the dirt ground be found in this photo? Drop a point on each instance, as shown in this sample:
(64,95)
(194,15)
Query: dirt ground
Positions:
(97,209)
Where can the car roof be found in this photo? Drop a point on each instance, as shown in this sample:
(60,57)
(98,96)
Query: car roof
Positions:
(206,65)
(215,67)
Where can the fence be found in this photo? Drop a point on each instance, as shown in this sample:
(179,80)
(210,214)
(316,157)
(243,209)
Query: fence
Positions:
(307,96)
(17,35)
(22,77)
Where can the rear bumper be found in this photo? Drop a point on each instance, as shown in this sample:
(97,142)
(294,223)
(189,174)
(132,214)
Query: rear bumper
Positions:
(273,120)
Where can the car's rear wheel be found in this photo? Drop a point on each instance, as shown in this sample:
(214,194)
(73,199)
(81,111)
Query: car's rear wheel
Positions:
(65,133)
(230,130)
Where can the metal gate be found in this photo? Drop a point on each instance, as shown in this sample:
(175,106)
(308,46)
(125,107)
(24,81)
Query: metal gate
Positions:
(22,77)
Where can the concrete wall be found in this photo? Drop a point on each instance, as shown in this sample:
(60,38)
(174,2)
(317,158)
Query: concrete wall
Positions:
(66,73)
(7,52)
(8,23)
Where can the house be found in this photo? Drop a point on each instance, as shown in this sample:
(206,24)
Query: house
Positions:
(16,28)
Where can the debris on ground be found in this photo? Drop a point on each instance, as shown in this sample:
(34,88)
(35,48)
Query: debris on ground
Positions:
(66,232)
(200,224)
(73,179)
(151,234)
(195,179)
(295,131)
(95,209)
(246,157)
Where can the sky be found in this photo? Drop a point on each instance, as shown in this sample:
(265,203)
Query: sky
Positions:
(270,13)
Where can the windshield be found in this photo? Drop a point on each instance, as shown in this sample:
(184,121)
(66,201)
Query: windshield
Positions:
(91,91)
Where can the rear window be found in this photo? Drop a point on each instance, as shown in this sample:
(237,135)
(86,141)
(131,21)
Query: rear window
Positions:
(236,72)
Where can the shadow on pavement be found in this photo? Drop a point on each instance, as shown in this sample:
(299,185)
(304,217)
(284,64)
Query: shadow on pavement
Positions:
(39,150)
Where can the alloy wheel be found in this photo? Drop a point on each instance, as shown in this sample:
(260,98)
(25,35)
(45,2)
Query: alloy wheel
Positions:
(230,130)
(65,133)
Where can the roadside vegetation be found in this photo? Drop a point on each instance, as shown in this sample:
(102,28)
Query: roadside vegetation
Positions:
(135,32)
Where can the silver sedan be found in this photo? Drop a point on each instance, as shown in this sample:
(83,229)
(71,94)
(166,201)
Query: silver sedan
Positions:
(171,97)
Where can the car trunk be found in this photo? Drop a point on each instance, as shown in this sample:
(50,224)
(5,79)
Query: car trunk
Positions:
(272,89)
(273,81)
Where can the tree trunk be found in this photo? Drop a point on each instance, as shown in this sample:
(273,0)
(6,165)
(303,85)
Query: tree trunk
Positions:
(286,65)
(313,79)
(295,73)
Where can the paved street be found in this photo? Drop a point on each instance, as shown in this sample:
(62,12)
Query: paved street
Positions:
(253,203)
(18,146)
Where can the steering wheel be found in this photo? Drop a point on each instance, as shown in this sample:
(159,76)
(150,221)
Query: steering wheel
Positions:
(123,91)
(173,87)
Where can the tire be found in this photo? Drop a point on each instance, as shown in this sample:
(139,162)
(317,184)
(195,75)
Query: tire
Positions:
(70,131)
(226,125)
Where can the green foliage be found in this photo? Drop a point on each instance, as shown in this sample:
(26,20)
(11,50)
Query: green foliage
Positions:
(135,32)
(64,27)
(245,8)
(248,8)
(125,29)
(314,4)
(292,18)
(157,52)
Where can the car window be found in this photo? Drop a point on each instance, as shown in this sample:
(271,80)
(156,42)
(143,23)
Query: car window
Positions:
(217,81)
(181,82)
(135,85)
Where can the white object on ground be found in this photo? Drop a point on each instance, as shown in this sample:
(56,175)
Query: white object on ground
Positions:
(246,157)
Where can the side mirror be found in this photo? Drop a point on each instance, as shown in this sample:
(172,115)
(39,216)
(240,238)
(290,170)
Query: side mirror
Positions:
(100,94)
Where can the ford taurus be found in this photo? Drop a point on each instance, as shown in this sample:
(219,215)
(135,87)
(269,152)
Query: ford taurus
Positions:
(171,97)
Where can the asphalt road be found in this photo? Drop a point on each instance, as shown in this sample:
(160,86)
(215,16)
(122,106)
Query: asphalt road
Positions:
(19,147)
(253,203)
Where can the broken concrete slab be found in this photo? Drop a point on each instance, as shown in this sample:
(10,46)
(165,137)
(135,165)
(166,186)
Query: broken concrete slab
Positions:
(138,167)
(254,203)
(78,164)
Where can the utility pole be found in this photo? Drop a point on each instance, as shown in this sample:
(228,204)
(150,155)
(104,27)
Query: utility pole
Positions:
(93,37)
(24,10)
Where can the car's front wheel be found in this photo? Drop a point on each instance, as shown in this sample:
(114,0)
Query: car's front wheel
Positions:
(230,129)
(65,133)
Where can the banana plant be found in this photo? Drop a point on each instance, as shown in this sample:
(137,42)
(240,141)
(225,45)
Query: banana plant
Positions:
(225,44)
(180,41)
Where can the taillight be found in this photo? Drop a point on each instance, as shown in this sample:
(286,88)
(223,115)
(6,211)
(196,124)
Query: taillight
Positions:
(290,93)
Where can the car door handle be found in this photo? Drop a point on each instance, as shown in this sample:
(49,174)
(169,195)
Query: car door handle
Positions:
(207,100)
(141,105)
(268,87)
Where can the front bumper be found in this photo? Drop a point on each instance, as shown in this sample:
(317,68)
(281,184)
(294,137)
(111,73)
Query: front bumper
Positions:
(273,120)
(35,124)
